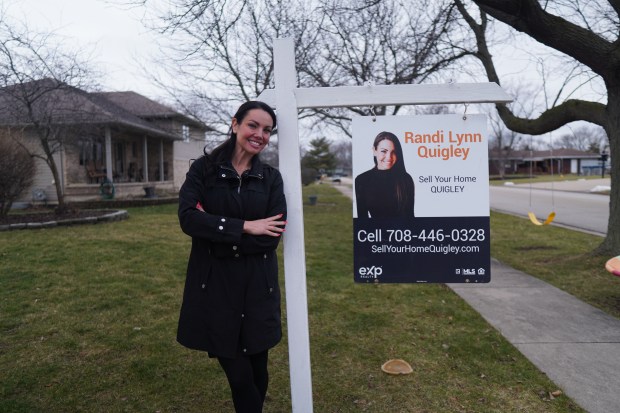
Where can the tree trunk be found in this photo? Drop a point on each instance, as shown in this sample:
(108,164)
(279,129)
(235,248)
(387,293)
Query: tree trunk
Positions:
(62,207)
(51,163)
(611,243)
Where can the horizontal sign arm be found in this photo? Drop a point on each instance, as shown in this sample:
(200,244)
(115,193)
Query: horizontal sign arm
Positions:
(394,95)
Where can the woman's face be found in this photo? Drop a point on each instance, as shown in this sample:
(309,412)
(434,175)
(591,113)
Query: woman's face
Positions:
(253,131)
(385,154)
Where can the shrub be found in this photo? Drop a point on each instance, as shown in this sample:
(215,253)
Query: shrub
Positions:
(308,176)
(17,169)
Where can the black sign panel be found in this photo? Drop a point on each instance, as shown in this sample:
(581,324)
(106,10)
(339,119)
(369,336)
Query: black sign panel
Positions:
(420,250)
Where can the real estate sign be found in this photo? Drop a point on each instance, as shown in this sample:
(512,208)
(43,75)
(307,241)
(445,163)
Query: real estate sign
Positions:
(421,199)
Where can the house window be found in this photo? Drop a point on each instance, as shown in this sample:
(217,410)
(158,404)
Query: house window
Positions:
(90,150)
(185,133)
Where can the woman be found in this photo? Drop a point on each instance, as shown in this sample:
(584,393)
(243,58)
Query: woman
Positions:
(233,207)
(387,190)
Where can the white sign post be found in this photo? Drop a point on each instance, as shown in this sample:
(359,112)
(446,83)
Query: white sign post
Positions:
(288,99)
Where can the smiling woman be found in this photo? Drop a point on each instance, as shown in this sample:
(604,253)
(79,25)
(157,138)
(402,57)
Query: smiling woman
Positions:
(233,207)
(387,190)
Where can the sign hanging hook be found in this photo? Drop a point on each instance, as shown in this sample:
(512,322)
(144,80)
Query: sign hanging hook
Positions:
(372,112)
(465,111)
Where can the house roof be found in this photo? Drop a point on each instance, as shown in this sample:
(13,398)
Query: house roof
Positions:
(53,102)
(146,108)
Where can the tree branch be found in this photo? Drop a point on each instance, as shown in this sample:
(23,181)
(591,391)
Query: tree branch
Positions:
(616,5)
(552,119)
(528,16)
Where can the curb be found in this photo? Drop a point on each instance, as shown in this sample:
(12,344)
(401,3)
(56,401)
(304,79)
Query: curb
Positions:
(111,217)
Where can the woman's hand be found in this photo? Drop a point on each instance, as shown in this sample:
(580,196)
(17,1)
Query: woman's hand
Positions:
(271,226)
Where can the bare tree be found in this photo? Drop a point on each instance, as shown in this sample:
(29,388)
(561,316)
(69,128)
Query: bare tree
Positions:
(223,49)
(586,34)
(219,52)
(590,138)
(36,76)
(378,42)
(343,151)
(502,143)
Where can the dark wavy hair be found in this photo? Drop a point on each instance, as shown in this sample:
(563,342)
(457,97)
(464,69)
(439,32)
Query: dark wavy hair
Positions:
(398,170)
(224,151)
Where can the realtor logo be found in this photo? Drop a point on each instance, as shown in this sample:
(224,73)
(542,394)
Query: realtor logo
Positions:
(370,271)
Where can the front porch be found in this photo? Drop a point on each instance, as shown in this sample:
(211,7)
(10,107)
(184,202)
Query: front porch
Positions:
(119,155)
(122,190)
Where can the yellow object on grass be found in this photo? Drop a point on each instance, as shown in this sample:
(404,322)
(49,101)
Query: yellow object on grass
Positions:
(537,222)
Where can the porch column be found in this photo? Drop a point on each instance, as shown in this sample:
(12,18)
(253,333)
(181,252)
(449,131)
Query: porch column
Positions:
(108,153)
(161,159)
(145,159)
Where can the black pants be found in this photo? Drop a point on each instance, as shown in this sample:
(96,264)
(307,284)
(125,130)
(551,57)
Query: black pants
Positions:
(248,379)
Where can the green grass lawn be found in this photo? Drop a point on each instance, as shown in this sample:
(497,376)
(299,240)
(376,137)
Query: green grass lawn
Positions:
(88,321)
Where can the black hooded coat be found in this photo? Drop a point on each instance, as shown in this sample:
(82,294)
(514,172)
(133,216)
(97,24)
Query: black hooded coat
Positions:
(231,301)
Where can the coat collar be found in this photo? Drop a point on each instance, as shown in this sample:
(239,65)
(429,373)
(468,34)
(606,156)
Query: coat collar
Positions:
(255,171)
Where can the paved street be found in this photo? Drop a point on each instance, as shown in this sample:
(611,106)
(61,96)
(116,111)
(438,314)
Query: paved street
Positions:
(575,206)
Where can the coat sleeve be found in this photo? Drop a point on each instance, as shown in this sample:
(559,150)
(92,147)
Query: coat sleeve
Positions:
(254,244)
(200,224)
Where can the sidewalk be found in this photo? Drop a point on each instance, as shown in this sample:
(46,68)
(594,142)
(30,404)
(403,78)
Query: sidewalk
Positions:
(574,344)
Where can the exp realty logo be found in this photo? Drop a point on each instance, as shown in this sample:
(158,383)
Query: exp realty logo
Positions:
(370,272)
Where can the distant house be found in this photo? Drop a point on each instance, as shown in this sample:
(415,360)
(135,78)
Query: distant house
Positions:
(122,137)
(557,161)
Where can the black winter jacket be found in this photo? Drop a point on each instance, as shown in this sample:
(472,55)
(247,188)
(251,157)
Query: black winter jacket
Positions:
(231,301)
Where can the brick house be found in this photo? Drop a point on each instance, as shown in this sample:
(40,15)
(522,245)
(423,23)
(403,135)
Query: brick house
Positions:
(120,137)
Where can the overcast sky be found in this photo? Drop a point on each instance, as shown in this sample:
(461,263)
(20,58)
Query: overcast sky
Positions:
(115,37)
(119,43)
